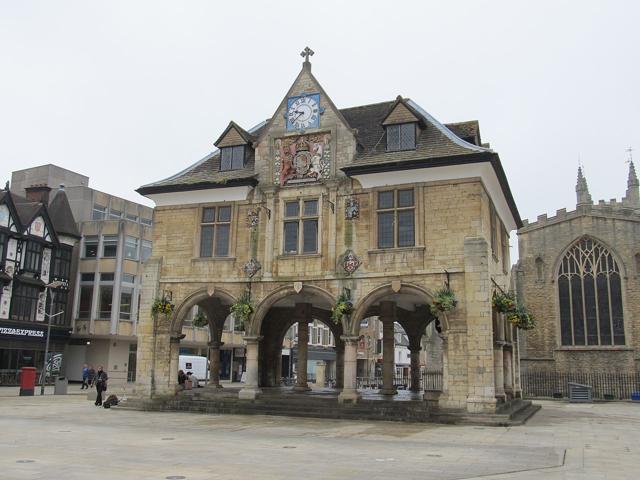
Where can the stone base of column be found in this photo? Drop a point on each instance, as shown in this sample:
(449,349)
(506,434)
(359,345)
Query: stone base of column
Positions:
(501,397)
(301,388)
(388,391)
(348,396)
(249,393)
(481,404)
(213,385)
(508,393)
(517,393)
(432,398)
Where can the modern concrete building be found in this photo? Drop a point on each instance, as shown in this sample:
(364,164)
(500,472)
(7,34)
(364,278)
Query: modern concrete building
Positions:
(108,264)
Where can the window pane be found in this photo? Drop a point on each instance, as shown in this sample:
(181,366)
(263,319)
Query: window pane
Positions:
(578,314)
(393,137)
(208,215)
(224,214)
(222,240)
(590,309)
(292,209)
(145,253)
(99,212)
(238,158)
(109,246)
(405,198)
(225,158)
(405,229)
(385,199)
(310,208)
(86,294)
(146,221)
(385,230)
(291,237)
(310,236)
(106,296)
(407,136)
(115,214)
(128,278)
(125,303)
(87,277)
(106,277)
(206,241)
(131,248)
(565,311)
(616,309)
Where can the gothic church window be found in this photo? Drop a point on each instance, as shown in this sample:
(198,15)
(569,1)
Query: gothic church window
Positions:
(215,231)
(590,296)
(301,227)
(396,219)
(401,137)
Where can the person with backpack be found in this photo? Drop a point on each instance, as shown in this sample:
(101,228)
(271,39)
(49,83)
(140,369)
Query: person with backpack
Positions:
(100,381)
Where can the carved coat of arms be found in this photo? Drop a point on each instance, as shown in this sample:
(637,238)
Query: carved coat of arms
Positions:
(251,267)
(350,262)
(302,159)
(351,208)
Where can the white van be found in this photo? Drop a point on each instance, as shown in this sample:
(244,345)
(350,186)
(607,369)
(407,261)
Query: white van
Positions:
(194,364)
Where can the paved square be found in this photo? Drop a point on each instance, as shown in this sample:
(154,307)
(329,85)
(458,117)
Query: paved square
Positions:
(67,437)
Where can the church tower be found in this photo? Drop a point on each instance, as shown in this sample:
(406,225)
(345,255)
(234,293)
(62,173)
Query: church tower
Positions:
(632,197)
(582,190)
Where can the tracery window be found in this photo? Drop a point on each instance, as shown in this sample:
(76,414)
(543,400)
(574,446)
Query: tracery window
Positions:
(590,294)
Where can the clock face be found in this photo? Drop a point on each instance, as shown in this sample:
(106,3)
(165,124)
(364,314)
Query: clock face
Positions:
(303,112)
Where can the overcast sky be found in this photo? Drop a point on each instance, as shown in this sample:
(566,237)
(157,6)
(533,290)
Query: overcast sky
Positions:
(129,92)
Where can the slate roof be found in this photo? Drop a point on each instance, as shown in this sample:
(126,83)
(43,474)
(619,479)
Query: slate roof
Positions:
(434,141)
(62,217)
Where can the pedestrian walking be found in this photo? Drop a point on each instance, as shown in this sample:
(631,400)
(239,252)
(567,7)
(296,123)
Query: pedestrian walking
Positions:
(100,382)
(85,377)
(92,374)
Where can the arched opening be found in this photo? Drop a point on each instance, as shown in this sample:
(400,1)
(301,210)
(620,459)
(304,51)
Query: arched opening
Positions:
(289,323)
(391,323)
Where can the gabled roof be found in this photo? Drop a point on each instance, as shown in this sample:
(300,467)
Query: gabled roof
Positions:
(62,217)
(399,104)
(246,136)
(27,211)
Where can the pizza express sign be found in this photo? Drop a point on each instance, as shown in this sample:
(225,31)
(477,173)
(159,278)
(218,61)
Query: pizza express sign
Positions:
(17,332)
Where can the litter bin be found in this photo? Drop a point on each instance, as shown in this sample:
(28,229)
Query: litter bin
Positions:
(27,381)
(60,386)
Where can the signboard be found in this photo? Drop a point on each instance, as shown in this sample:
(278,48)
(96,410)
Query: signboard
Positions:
(21,332)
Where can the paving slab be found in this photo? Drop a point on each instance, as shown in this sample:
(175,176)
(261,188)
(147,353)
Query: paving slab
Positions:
(67,437)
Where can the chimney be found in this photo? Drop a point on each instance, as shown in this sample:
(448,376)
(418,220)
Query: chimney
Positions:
(38,193)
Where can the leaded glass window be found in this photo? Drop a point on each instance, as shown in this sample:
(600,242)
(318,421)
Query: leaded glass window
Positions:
(396,219)
(401,137)
(590,296)
(301,230)
(215,231)
(232,158)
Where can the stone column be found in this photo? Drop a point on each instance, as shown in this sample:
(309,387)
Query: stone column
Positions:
(251,389)
(321,373)
(349,391)
(339,348)
(415,368)
(214,364)
(387,317)
(303,316)
(508,373)
(499,371)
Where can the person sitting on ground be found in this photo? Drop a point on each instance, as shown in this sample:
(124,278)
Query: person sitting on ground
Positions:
(182,378)
(194,380)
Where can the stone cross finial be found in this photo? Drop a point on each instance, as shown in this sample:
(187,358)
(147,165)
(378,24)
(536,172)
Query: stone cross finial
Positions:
(306,53)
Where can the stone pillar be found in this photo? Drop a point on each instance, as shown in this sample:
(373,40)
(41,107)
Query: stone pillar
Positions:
(251,389)
(508,373)
(415,368)
(387,317)
(339,348)
(499,371)
(321,373)
(303,316)
(214,364)
(481,393)
(349,390)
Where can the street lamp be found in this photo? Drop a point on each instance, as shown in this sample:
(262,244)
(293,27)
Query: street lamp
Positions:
(47,290)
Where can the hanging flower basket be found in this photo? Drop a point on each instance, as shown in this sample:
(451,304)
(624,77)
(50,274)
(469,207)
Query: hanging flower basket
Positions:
(504,302)
(242,309)
(344,306)
(200,320)
(161,306)
(521,318)
(444,300)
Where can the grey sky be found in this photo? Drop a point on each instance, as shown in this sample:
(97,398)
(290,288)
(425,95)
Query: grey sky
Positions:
(130,92)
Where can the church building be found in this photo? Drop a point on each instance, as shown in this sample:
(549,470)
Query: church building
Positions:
(578,273)
(376,208)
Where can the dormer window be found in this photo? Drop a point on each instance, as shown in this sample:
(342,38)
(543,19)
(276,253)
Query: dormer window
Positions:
(401,137)
(232,158)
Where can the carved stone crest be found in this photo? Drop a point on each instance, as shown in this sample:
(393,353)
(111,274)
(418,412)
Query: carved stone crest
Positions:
(253,218)
(351,208)
(251,267)
(302,159)
(350,262)
(211,290)
(396,285)
(297,286)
